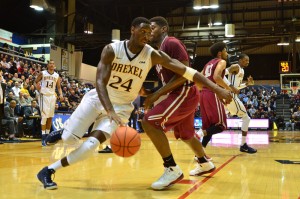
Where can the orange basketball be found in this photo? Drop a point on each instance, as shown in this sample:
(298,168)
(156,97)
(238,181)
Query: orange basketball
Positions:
(125,141)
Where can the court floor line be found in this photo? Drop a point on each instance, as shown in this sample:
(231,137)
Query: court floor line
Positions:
(199,183)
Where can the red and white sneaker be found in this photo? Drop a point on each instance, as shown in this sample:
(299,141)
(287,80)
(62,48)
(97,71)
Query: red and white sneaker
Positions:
(199,134)
(168,179)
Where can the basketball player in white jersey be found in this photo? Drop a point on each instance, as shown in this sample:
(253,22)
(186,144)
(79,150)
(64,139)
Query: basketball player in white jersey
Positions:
(46,83)
(236,107)
(121,72)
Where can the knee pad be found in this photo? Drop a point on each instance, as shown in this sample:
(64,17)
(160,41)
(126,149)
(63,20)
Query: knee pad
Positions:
(69,138)
(43,121)
(245,123)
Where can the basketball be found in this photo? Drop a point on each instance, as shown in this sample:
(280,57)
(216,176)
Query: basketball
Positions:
(125,141)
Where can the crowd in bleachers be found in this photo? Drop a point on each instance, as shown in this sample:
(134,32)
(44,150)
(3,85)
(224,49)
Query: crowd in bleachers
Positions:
(19,73)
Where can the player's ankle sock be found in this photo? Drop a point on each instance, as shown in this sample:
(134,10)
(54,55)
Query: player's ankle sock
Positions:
(169,161)
(202,160)
(56,165)
(243,140)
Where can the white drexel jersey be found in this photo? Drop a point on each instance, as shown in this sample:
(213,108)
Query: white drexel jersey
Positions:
(48,83)
(128,73)
(236,79)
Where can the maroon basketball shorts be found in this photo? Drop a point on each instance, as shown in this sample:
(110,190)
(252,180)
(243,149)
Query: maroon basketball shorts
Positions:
(176,112)
(212,110)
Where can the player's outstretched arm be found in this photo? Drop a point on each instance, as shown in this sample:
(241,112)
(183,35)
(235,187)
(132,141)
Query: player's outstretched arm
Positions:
(102,78)
(159,57)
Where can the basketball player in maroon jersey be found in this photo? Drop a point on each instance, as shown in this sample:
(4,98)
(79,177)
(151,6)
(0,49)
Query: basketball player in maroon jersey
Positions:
(175,111)
(211,108)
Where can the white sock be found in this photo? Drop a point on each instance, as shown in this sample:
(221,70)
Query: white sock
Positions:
(243,140)
(43,132)
(56,165)
(47,131)
(84,151)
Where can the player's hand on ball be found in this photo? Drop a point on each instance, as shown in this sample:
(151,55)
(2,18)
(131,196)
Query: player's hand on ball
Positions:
(114,117)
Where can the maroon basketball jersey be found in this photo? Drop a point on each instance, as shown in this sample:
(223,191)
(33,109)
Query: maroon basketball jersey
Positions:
(209,70)
(176,50)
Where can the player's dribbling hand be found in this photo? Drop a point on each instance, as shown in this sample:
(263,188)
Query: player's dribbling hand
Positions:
(114,117)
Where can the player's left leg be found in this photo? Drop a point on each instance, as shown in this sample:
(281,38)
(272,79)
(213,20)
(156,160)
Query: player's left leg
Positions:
(244,146)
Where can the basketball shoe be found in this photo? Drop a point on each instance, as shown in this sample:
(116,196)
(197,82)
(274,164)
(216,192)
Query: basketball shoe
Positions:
(54,137)
(44,177)
(169,178)
(247,149)
(208,158)
(44,136)
(199,134)
(203,168)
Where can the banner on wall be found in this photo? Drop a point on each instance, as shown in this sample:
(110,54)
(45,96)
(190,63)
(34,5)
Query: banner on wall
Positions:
(64,59)
(58,121)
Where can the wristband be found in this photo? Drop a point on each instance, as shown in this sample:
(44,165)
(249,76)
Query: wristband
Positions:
(189,73)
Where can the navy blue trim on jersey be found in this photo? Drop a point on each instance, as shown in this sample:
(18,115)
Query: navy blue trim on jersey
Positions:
(130,59)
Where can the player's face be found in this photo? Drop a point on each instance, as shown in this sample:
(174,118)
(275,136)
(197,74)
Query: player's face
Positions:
(224,54)
(244,62)
(141,34)
(51,65)
(156,32)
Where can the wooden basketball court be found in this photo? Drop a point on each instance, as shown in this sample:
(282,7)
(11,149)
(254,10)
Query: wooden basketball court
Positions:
(273,172)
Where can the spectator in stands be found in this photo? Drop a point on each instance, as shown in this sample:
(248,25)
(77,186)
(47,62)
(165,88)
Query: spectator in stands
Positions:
(24,89)
(86,88)
(65,91)
(21,99)
(16,89)
(13,68)
(16,78)
(290,123)
(27,99)
(4,64)
(251,111)
(10,97)
(11,119)
(73,96)
(32,91)
(8,88)
(32,119)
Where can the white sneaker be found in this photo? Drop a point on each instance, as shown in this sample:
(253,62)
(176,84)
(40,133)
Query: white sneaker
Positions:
(203,168)
(208,158)
(169,178)
(199,134)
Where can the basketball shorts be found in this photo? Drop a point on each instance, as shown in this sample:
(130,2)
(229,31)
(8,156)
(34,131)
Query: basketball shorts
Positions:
(47,105)
(176,112)
(89,111)
(212,110)
(236,107)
